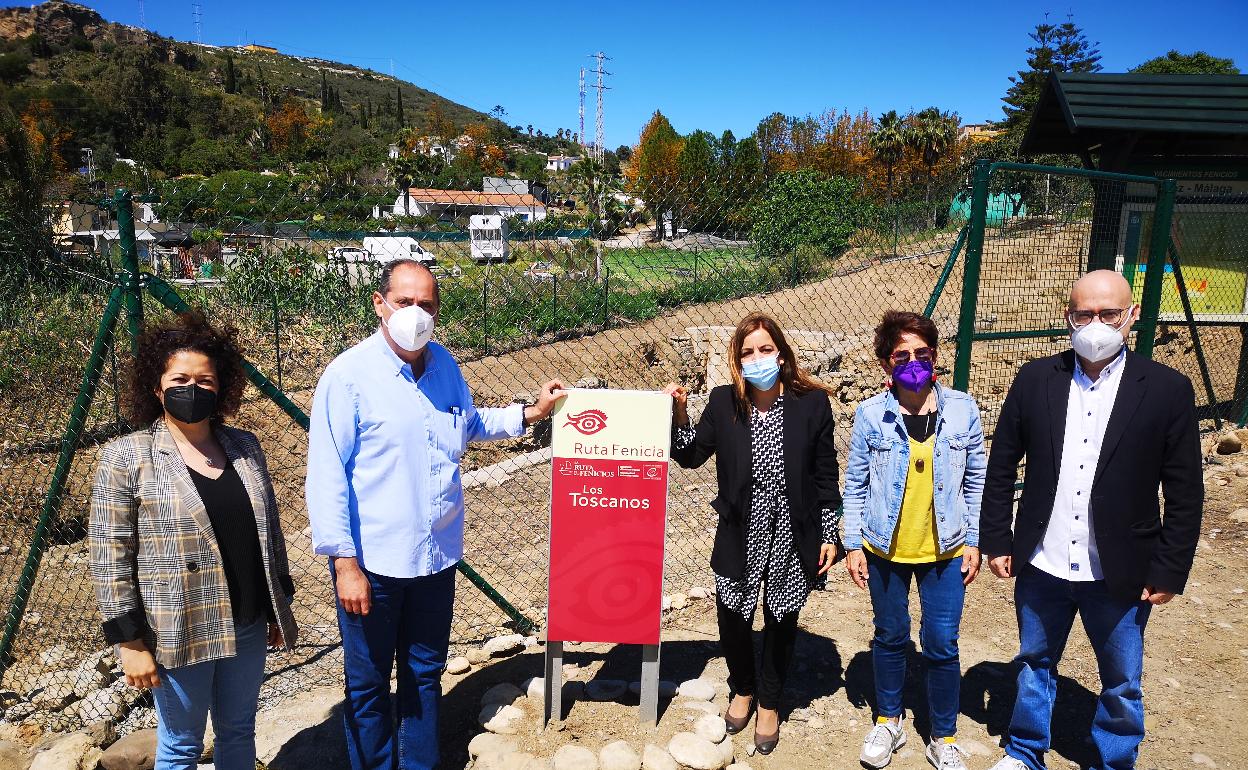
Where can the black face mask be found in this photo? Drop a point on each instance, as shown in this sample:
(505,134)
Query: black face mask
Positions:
(190,403)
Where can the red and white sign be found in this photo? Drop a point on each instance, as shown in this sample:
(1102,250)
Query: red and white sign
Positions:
(608,514)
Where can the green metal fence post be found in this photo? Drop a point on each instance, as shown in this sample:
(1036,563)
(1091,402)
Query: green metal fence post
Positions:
(1159,244)
(523,624)
(56,488)
(939,289)
(970,276)
(123,206)
(1194,330)
(1240,396)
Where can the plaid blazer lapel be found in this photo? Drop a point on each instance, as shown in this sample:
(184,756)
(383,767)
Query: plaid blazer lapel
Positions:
(169,463)
(246,469)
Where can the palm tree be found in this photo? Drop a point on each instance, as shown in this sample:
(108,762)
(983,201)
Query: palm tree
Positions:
(931,134)
(591,183)
(888,144)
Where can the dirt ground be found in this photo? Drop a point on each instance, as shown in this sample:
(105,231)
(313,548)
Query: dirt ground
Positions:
(1196,674)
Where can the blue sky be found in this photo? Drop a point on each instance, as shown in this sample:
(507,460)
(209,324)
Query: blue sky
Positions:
(707,66)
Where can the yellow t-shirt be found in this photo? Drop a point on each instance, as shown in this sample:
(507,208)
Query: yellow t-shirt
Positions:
(914,542)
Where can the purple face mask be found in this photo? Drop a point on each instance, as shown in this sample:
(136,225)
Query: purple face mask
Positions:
(913,375)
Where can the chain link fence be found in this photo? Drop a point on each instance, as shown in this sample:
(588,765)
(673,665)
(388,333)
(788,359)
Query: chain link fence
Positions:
(1044,227)
(620,286)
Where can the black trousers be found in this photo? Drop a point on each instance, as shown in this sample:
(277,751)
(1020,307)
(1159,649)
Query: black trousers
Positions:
(736,638)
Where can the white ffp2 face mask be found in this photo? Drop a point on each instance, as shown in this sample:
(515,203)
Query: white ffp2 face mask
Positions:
(1098,341)
(410,327)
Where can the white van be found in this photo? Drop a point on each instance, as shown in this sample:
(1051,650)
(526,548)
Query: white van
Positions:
(391,247)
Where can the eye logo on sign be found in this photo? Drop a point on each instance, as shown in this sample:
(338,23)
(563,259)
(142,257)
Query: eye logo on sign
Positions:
(587,422)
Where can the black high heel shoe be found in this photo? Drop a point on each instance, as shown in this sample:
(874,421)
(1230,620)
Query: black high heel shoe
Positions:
(765,744)
(733,725)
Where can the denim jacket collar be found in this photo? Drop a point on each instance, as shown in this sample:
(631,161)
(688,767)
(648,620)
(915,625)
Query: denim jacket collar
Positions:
(892,407)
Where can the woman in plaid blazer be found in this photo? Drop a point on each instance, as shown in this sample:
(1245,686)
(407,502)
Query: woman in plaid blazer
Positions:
(187,553)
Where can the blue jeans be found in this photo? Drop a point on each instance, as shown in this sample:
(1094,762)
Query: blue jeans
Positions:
(230,688)
(941,594)
(1046,608)
(410,619)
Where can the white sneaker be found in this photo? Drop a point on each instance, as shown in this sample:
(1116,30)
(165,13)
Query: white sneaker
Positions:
(946,756)
(881,742)
(1009,763)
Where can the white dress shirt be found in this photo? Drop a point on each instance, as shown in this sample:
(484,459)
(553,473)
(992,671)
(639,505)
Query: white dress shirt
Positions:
(1068,550)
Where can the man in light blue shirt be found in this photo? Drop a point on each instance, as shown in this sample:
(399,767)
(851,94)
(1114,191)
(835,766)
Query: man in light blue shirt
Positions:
(390,420)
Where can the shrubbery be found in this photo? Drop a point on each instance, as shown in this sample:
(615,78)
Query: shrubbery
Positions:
(807,208)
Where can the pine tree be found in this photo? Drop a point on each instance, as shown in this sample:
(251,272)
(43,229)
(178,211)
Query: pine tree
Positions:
(1058,48)
(363,116)
(324,93)
(231,79)
(399,109)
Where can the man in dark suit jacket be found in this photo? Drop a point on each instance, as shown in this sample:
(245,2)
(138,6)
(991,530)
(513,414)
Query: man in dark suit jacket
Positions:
(1101,430)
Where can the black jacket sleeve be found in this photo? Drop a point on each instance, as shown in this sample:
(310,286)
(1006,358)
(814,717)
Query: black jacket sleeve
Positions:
(1183,490)
(827,472)
(704,441)
(996,518)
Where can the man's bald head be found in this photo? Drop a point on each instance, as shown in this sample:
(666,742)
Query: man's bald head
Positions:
(1101,289)
(1105,296)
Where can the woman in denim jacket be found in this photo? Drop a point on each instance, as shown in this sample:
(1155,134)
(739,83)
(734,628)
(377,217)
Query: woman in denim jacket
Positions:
(912,495)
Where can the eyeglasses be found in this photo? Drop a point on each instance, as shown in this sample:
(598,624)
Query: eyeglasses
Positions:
(1110,315)
(920,354)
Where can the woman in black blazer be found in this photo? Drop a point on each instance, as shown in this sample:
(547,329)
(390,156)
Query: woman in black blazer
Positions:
(771,432)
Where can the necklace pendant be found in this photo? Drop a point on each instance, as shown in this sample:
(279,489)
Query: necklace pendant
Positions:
(918,465)
(211,463)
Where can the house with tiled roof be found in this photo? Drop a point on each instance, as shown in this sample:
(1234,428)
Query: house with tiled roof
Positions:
(456,204)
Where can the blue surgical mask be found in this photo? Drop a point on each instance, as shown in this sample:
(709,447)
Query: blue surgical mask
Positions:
(761,372)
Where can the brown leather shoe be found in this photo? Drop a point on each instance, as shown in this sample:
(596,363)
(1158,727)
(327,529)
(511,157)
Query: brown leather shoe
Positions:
(733,725)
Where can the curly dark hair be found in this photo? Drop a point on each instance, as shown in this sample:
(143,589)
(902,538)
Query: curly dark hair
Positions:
(191,331)
(898,322)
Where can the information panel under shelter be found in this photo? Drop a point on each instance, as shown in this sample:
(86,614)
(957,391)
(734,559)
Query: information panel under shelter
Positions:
(608,513)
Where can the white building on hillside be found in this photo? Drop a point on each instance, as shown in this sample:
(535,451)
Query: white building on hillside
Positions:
(560,162)
(453,204)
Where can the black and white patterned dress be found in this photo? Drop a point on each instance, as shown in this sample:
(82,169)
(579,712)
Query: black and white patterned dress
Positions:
(771,552)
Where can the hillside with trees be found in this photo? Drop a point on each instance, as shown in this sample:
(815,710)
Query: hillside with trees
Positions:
(178,108)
